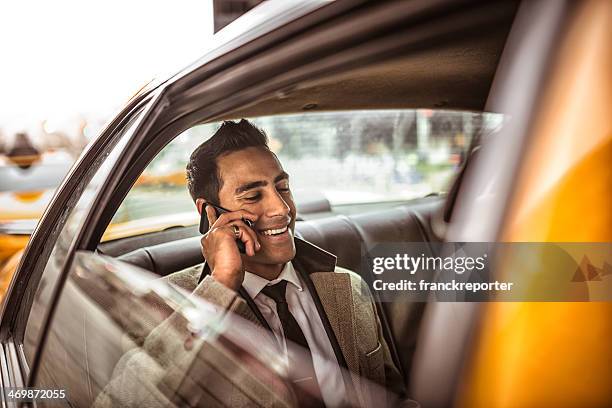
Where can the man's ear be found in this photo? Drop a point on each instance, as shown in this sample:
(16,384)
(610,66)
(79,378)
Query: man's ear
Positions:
(200,202)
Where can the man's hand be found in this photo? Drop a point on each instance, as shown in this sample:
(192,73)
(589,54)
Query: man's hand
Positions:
(219,245)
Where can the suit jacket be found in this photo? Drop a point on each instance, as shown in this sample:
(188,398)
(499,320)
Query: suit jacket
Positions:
(173,369)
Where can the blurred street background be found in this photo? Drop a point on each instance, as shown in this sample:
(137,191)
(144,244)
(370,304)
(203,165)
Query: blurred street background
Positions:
(68,66)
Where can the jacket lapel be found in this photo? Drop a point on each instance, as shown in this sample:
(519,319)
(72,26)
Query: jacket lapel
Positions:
(332,294)
(335,296)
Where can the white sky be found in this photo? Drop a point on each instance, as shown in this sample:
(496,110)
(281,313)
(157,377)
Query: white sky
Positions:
(61,58)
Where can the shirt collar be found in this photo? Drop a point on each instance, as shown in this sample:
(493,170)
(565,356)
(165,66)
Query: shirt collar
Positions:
(308,258)
(253,284)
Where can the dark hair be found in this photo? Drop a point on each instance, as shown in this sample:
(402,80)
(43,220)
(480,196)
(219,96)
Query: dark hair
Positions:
(203,179)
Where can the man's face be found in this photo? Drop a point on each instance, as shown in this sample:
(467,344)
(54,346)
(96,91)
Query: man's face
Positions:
(253,180)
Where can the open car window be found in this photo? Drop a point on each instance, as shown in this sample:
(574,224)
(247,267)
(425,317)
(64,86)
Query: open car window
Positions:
(339,162)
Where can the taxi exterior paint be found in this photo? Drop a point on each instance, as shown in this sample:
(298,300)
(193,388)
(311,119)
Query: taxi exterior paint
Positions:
(30,205)
(557,354)
(7,270)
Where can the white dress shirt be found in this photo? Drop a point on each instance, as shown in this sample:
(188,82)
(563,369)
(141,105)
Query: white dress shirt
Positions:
(303,308)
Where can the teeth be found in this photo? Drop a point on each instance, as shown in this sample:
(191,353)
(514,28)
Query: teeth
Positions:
(274,231)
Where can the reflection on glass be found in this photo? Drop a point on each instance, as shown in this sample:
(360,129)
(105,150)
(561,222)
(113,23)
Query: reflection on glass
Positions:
(70,223)
(124,338)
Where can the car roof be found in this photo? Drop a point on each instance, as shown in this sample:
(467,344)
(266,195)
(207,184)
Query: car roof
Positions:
(454,73)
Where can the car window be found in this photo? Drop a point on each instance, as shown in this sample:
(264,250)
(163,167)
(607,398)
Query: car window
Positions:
(57,250)
(349,158)
(122,337)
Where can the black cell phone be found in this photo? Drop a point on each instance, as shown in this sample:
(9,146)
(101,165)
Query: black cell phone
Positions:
(204,225)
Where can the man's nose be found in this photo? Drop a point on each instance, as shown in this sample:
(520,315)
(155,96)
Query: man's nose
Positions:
(276,205)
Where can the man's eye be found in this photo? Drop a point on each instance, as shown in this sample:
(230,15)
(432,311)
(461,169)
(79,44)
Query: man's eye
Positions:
(252,198)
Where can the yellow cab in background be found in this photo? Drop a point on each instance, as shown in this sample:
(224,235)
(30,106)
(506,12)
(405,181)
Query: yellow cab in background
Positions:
(28,181)
(28,185)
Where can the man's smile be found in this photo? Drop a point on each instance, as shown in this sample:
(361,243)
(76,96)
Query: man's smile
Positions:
(272,231)
(279,233)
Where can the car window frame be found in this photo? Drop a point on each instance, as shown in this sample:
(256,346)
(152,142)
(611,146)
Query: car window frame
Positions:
(125,140)
(44,290)
(18,304)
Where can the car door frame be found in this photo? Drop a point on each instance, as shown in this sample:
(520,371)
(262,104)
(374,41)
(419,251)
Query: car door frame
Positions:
(517,92)
(19,297)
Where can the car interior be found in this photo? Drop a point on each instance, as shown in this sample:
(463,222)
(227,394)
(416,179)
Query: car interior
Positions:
(455,75)
(420,220)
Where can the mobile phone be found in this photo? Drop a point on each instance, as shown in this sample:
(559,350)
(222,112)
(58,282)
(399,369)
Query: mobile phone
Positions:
(204,225)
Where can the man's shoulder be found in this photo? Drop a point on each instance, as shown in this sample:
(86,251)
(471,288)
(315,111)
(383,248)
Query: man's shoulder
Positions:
(355,282)
(353,276)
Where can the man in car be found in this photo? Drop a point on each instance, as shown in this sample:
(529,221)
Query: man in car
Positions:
(286,285)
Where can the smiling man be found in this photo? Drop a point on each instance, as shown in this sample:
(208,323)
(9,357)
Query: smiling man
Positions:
(291,287)
(236,170)
(321,318)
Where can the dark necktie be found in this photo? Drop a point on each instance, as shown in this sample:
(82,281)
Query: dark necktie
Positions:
(301,365)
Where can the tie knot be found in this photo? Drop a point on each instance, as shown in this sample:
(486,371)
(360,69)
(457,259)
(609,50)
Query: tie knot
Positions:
(276,292)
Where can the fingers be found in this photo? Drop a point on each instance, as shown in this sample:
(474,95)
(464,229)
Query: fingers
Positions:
(211,214)
(225,221)
(229,217)
(248,236)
